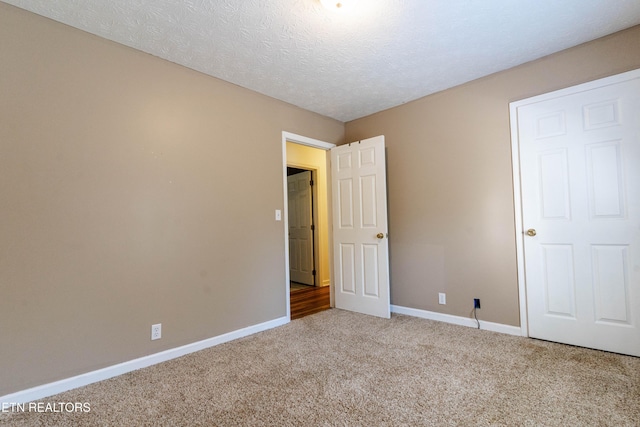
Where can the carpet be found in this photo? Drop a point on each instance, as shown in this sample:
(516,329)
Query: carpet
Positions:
(338,368)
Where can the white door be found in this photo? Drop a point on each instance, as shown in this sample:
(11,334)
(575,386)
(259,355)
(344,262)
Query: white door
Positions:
(360,245)
(580,188)
(300,228)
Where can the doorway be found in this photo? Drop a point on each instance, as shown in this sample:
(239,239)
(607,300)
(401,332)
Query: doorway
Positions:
(307,154)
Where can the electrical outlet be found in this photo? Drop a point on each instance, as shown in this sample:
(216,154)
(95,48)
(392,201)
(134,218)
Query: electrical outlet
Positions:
(156,331)
(442,298)
(476,303)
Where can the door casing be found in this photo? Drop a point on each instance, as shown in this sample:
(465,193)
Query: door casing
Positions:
(322,145)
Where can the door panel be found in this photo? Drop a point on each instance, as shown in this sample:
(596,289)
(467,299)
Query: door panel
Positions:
(605,180)
(345,198)
(370,270)
(368,200)
(610,273)
(559,283)
(359,216)
(580,187)
(554,184)
(347,269)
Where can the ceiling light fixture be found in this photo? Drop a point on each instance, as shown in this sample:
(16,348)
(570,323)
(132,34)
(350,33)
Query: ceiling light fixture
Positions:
(338,5)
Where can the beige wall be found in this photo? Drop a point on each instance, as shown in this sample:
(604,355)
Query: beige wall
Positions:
(313,158)
(450,185)
(122,204)
(133,192)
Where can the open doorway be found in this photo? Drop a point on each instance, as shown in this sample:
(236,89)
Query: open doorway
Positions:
(359,279)
(300,155)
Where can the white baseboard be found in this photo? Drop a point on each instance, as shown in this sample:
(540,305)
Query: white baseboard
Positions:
(457,320)
(56,387)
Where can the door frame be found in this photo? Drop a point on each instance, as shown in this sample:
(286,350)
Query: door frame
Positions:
(515,162)
(322,145)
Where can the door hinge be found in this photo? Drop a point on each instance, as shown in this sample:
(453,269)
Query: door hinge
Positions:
(313,227)
(313,272)
(311,183)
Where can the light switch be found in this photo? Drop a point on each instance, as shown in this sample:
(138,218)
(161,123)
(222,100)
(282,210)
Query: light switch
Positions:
(278,215)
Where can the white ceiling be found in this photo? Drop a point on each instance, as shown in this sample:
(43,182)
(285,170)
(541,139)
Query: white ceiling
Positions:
(345,65)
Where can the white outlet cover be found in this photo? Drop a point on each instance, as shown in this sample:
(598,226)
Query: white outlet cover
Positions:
(156,331)
(442,298)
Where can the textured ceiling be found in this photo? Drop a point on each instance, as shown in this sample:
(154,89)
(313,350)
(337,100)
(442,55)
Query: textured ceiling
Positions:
(345,65)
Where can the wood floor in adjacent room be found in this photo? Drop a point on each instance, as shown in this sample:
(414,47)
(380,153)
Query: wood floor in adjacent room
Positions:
(308,301)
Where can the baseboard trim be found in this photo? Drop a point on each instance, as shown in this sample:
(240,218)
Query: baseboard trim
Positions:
(457,320)
(67,384)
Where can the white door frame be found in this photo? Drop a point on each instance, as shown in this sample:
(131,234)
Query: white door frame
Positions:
(315,143)
(517,203)
(515,161)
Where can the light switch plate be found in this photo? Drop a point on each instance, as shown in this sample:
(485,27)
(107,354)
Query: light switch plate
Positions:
(278,215)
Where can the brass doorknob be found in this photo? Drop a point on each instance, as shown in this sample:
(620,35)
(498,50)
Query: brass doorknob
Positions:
(380,236)
(531,232)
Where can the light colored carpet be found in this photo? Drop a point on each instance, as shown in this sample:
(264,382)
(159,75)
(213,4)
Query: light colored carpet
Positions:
(337,368)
